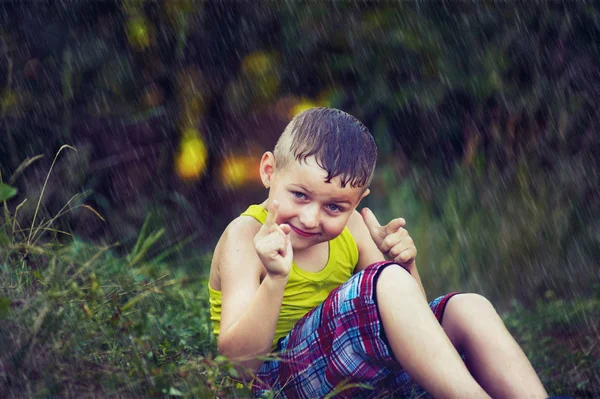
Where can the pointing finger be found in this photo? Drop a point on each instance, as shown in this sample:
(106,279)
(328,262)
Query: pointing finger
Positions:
(287,248)
(372,224)
(273,212)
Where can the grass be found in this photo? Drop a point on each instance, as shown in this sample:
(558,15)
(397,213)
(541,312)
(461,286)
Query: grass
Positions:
(81,320)
(562,341)
(78,321)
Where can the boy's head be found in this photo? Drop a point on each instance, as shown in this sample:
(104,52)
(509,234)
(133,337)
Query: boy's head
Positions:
(340,144)
(320,170)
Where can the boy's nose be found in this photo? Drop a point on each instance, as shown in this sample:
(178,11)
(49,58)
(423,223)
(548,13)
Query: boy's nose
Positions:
(310,217)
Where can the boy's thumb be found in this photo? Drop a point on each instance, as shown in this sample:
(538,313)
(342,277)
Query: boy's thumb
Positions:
(371,222)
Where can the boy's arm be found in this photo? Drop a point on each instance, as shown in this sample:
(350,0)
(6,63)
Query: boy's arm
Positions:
(250,308)
(368,253)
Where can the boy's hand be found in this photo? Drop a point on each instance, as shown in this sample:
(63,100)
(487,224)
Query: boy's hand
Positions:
(392,239)
(273,244)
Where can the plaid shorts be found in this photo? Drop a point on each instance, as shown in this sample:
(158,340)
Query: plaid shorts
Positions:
(340,346)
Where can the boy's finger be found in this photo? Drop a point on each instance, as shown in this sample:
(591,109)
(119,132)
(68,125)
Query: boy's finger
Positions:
(273,246)
(394,225)
(287,248)
(372,224)
(396,242)
(272,212)
(406,256)
(285,228)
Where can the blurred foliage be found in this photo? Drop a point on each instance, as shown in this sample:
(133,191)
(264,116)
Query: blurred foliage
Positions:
(440,84)
(453,81)
(485,115)
(503,233)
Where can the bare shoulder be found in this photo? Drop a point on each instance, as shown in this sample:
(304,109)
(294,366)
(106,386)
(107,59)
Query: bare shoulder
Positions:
(234,249)
(242,226)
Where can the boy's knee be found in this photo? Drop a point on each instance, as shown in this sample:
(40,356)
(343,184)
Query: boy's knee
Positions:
(394,279)
(473,305)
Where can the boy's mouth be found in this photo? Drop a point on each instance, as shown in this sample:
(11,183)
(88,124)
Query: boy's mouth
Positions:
(301,233)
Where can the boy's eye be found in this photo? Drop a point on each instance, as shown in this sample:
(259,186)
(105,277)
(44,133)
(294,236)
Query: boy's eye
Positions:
(333,208)
(299,195)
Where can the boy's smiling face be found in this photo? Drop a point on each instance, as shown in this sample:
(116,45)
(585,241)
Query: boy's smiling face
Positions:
(317,211)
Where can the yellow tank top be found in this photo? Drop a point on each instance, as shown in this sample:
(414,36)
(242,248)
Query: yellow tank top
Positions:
(304,290)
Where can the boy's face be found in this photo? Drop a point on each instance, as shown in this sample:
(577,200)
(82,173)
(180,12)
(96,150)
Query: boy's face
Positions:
(315,210)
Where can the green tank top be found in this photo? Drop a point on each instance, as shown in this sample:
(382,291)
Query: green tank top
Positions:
(304,290)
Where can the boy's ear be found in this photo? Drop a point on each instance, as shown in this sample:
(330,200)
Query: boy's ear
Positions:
(267,168)
(363,195)
(367,192)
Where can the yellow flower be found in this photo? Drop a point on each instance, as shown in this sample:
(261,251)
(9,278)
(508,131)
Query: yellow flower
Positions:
(192,157)
(237,170)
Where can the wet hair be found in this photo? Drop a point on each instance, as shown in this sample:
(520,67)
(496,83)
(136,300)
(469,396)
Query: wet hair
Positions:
(340,143)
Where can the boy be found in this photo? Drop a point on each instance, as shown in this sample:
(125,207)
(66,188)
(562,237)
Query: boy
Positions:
(304,274)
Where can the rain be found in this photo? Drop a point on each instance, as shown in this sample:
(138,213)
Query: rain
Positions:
(131,135)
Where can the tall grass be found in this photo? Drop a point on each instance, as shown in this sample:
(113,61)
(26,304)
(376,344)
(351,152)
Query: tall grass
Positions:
(78,320)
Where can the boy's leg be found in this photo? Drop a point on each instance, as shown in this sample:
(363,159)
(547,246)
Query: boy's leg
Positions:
(493,356)
(418,341)
(340,342)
